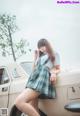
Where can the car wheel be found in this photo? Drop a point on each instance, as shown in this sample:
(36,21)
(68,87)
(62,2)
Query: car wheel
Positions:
(16,112)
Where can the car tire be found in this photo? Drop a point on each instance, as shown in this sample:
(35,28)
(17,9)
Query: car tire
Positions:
(15,112)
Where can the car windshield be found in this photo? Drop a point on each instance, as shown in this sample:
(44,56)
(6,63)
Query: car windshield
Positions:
(27,66)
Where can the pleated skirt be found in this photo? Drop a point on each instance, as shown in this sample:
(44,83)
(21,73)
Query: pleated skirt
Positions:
(39,81)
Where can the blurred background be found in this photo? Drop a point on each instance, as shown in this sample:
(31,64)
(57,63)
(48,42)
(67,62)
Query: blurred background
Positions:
(36,19)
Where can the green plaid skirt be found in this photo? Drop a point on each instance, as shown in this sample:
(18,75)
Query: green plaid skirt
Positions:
(39,81)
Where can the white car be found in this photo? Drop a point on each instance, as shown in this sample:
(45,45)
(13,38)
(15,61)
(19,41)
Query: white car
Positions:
(13,79)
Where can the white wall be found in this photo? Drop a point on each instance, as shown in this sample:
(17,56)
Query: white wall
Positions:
(45,18)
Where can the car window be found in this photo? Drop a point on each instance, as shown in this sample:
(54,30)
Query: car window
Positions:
(3,76)
(27,66)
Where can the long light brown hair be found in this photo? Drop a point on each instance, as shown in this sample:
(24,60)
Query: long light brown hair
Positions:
(44,42)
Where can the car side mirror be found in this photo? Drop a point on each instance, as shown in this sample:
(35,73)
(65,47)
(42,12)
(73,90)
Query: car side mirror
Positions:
(73,107)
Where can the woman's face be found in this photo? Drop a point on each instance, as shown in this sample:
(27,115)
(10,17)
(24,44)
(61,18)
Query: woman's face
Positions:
(42,49)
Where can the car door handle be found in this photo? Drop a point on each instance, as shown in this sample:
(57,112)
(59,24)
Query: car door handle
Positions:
(4,89)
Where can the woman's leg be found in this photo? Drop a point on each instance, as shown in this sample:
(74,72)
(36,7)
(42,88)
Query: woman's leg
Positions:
(22,102)
(34,103)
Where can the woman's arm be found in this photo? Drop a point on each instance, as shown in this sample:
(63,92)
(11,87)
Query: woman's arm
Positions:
(54,71)
(33,67)
(36,55)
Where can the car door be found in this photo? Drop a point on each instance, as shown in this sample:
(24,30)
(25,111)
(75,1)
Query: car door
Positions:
(4,89)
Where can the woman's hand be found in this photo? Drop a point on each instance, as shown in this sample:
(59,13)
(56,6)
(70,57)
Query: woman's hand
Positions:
(53,78)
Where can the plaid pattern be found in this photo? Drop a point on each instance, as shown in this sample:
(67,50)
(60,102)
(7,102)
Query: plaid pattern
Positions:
(39,81)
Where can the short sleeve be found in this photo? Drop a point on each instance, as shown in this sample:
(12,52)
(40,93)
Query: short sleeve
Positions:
(57,59)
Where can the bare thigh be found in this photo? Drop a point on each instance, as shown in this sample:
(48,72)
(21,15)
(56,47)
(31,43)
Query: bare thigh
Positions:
(27,95)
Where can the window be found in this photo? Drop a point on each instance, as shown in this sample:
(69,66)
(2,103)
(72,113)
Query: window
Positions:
(3,76)
(27,66)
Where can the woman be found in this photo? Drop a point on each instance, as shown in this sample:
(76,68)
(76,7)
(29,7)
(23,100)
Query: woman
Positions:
(41,81)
